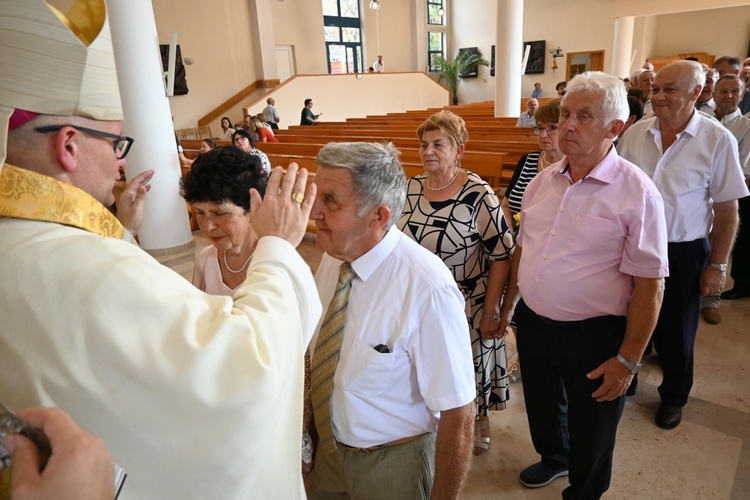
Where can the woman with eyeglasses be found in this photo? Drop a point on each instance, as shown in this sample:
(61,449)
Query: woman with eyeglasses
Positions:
(243,140)
(529,165)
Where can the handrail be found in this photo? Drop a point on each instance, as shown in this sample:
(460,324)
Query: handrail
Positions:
(229,103)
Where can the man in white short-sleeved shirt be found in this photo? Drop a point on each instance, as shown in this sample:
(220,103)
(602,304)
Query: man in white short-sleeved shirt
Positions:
(693,160)
(405,361)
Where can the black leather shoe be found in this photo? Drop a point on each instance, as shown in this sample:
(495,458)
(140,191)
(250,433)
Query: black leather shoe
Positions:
(668,416)
(735,293)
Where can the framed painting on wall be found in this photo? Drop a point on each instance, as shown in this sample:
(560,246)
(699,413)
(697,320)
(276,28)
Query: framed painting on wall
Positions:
(535,63)
(473,72)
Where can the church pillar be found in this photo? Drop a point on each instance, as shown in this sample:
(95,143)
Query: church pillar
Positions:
(623,46)
(508,57)
(148,119)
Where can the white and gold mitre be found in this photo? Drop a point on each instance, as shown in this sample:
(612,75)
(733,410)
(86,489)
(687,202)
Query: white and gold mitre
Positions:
(56,64)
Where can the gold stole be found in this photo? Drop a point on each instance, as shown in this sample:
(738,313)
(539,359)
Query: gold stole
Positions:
(29,195)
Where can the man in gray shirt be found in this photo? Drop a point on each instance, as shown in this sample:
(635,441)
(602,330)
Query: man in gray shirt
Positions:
(271,113)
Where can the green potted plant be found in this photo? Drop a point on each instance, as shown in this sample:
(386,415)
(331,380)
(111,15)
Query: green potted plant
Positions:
(465,63)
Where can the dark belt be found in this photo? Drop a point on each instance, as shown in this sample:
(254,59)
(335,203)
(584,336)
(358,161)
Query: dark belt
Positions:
(574,324)
(386,445)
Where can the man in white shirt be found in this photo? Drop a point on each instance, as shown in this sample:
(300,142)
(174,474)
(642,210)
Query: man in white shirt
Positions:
(271,113)
(705,101)
(527,119)
(694,163)
(728,92)
(645,79)
(378,65)
(401,409)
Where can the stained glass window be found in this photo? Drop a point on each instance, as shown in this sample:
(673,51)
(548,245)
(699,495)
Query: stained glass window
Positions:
(343,35)
(349,8)
(333,33)
(330,7)
(350,34)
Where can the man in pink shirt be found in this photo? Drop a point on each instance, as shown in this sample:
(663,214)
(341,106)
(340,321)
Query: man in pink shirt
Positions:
(589,264)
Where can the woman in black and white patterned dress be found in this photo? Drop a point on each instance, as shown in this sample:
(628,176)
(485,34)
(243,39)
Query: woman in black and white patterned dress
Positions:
(455,214)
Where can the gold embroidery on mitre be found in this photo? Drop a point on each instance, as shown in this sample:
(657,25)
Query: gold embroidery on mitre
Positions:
(29,195)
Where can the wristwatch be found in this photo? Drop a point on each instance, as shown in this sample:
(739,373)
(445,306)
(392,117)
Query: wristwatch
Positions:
(720,267)
(633,367)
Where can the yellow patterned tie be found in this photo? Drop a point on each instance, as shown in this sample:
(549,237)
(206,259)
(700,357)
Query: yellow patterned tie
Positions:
(327,356)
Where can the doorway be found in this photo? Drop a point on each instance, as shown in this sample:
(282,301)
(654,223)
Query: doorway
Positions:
(580,62)
(285,65)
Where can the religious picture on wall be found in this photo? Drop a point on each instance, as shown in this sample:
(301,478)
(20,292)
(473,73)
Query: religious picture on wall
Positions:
(180,83)
(492,62)
(535,63)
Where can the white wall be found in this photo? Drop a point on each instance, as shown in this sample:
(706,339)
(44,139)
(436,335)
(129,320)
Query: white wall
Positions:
(719,32)
(340,97)
(219,39)
(300,23)
(388,32)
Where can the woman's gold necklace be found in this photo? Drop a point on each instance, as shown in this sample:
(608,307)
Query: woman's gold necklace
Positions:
(427,182)
(226,264)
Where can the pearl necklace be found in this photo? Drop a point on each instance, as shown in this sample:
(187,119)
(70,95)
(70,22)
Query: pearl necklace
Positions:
(427,182)
(226,264)
(545,162)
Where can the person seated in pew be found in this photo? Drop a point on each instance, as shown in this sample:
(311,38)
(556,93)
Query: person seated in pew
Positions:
(226,129)
(265,133)
(527,118)
(206,145)
(307,116)
(243,140)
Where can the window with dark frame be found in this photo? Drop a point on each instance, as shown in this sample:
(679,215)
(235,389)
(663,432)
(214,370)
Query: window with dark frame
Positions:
(433,12)
(342,28)
(435,47)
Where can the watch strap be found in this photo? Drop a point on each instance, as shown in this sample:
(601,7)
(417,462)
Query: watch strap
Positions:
(633,367)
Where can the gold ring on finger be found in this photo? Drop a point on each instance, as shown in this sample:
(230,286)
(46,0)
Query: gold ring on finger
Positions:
(298,197)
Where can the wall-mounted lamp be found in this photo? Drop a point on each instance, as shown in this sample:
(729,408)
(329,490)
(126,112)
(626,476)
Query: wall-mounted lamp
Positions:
(374,5)
(555,54)
(441,12)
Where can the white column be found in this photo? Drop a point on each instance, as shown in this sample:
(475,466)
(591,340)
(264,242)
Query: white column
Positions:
(148,119)
(266,40)
(623,46)
(508,57)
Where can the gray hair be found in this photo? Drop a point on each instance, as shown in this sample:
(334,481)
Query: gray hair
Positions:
(614,95)
(377,175)
(697,77)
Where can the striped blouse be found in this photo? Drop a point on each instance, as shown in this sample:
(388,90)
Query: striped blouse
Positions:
(525,171)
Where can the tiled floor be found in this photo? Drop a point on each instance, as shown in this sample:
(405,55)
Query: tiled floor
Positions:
(706,457)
